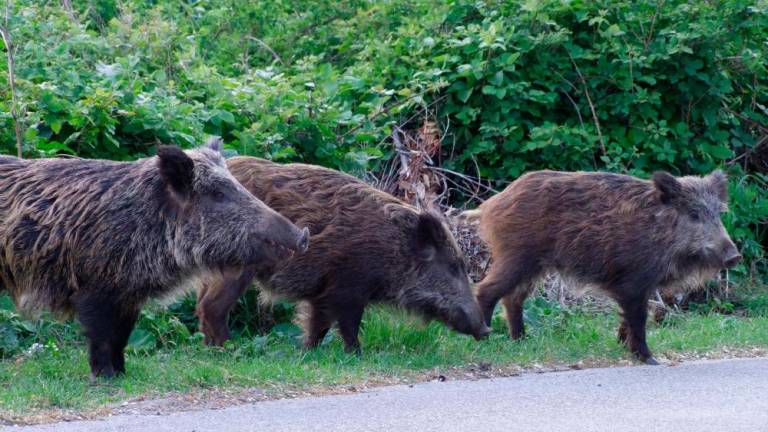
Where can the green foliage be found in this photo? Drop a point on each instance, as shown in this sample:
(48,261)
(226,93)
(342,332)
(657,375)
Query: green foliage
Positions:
(666,84)
(30,336)
(747,222)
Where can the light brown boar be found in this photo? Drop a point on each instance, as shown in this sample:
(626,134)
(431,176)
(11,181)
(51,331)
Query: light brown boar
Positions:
(618,234)
(98,238)
(367,247)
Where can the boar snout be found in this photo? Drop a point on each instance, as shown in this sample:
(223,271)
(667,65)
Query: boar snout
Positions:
(469,320)
(482,333)
(283,233)
(731,255)
(732,259)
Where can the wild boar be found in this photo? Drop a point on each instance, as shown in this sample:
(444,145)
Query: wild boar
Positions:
(367,246)
(619,234)
(96,239)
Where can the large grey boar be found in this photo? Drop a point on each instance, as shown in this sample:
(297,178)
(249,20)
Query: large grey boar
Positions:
(616,233)
(96,239)
(367,247)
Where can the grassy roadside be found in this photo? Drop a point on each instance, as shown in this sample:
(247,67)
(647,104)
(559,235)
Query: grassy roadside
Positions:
(396,347)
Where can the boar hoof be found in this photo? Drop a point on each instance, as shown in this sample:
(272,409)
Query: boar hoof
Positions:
(215,343)
(517,334)
(647,359)
(356,350)
(483,333)
(103,374)
(215,340)
(650,361)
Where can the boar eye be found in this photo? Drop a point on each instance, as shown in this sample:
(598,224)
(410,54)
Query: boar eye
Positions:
(457,269)
(218,196)
(695,216)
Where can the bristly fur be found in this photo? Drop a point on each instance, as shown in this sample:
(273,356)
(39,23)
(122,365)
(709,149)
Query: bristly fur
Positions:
(619,234)
(367,246)
(98,238)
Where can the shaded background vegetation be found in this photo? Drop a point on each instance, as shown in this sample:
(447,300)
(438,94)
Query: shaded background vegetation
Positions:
(512,85)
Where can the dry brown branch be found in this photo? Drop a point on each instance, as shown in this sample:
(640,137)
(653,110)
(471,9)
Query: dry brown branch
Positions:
(415,174)
(97,18)
(649,36)
(268,48)
(754,123)
(67,6)
(591,105)
(575,108)
(467,178)
(6,35)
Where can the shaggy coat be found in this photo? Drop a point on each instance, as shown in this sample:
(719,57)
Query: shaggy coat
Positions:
(96,239)
(367,246)
(616,233)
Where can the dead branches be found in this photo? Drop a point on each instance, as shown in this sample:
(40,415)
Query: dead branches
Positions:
(67,6)
(416,152)
(268,48)
(589,101)
(415,175)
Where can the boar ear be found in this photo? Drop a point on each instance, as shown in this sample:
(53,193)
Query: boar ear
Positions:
(215,144)
(719,183)
(176,168)
(428,234)
(667,185)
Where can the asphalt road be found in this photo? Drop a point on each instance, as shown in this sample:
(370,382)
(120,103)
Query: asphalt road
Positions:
(724,395)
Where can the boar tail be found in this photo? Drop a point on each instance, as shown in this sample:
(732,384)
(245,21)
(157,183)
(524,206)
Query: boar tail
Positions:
(471,216)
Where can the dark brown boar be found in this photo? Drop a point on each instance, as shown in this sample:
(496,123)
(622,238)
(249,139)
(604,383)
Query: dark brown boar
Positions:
(616,233)
(367,246)
(96,239)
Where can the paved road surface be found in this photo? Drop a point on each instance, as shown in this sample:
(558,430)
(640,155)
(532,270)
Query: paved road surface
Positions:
(727,395)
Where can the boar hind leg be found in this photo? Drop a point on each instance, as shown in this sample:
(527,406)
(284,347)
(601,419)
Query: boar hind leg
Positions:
(634,314)
(513,304)
(505,278)
(123,329)
(216,299)
(350,317)
(316,322)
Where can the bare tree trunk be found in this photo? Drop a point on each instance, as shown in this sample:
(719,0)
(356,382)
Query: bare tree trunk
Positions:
(4,30)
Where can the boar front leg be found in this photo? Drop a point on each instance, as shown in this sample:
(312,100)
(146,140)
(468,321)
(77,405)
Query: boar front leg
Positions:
(122,332)
(634,312)
(508,276)
(216,299)
(99,316)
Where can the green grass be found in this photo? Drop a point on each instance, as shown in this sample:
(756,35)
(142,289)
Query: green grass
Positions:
(395,346)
